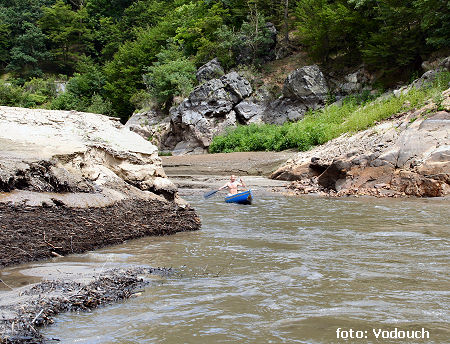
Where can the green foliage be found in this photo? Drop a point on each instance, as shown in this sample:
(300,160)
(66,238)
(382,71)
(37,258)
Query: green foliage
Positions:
(329,28)
(387,35)
(34,93)
(84,90)
(22,40)
(68,33)
(171,75)
(356,113)
(124,72)
(5,44)
(248,45)
(126,39)
(435,21)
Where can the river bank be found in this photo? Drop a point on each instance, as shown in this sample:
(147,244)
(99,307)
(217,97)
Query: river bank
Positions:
(72,182)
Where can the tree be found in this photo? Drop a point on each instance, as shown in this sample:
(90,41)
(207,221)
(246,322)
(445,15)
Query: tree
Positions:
(28,52)
(435,22)
(171,75)
(329,28)
(5,44)
(23,47)
(68,33)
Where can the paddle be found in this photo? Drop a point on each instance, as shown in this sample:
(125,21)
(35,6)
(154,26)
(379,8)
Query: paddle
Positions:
(210,193)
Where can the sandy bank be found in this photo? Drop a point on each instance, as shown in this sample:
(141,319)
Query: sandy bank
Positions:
(195,174)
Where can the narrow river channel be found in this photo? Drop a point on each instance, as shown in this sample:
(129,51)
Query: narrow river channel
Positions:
(284,270)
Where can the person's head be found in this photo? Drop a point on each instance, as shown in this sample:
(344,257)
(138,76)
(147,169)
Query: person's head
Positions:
(233,178)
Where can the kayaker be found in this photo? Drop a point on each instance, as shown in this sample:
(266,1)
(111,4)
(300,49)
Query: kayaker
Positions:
(233,185)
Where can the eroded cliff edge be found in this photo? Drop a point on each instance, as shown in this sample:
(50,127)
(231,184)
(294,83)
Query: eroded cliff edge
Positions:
(71,182)
(406,155)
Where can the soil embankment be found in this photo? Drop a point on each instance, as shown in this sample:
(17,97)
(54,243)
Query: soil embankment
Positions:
(72,182)
(33,233)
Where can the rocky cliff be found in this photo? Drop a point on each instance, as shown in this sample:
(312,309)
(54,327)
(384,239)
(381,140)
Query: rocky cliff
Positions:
(408,154)
(73,181)
(225,100)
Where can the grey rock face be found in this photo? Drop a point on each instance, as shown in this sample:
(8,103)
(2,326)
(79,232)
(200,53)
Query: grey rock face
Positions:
(354,82)
(248,112)
(238,86)
(143,123)
(306,84)
(407,155)
(206,112)
(284,110)
(209,71)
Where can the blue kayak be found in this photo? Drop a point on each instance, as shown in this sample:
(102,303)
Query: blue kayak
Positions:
(244,197)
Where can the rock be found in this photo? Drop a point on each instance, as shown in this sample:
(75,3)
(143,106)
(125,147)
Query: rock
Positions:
(426,78)
(73,163)
(151,125)
(209,71)
(410,158)
(248,112)
(438,63)
(284,110)
(238,86)
(445,63)
(308,85)
(208,111)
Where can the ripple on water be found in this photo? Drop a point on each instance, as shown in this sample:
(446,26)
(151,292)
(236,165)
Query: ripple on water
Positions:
(284,270)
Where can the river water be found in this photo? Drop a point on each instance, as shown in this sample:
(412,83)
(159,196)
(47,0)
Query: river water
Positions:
(284,270)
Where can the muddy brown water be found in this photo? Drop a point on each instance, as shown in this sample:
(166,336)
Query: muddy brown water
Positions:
(284,270)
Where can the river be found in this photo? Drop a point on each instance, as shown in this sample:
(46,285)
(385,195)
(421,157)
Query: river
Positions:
(284,270)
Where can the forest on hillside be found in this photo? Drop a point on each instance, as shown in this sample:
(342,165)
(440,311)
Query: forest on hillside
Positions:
(113,56)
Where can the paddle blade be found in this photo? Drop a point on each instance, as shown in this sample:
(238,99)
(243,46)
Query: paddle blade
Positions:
(209,194)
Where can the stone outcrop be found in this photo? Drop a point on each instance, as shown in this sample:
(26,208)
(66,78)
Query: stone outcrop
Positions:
(207,111)
(69,161)
(306,84)
(151,125)
(209,71)
(351,83)
(406,155)
(222,101)
(304,89)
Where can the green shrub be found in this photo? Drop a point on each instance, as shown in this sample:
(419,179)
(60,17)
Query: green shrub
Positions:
(172,75)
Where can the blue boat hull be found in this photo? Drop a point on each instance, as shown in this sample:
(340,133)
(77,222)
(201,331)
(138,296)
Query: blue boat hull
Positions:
(241,198)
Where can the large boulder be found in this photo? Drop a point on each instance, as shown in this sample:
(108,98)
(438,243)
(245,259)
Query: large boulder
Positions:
(284,110)
(208,111)
(57,166)
(210,70)
(249,112)
(303,89)
(308,85)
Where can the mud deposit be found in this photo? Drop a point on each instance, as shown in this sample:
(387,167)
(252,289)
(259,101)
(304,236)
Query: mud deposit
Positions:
(32,233)
(35,306)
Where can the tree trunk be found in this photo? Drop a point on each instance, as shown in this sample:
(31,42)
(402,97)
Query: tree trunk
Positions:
(286,24)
